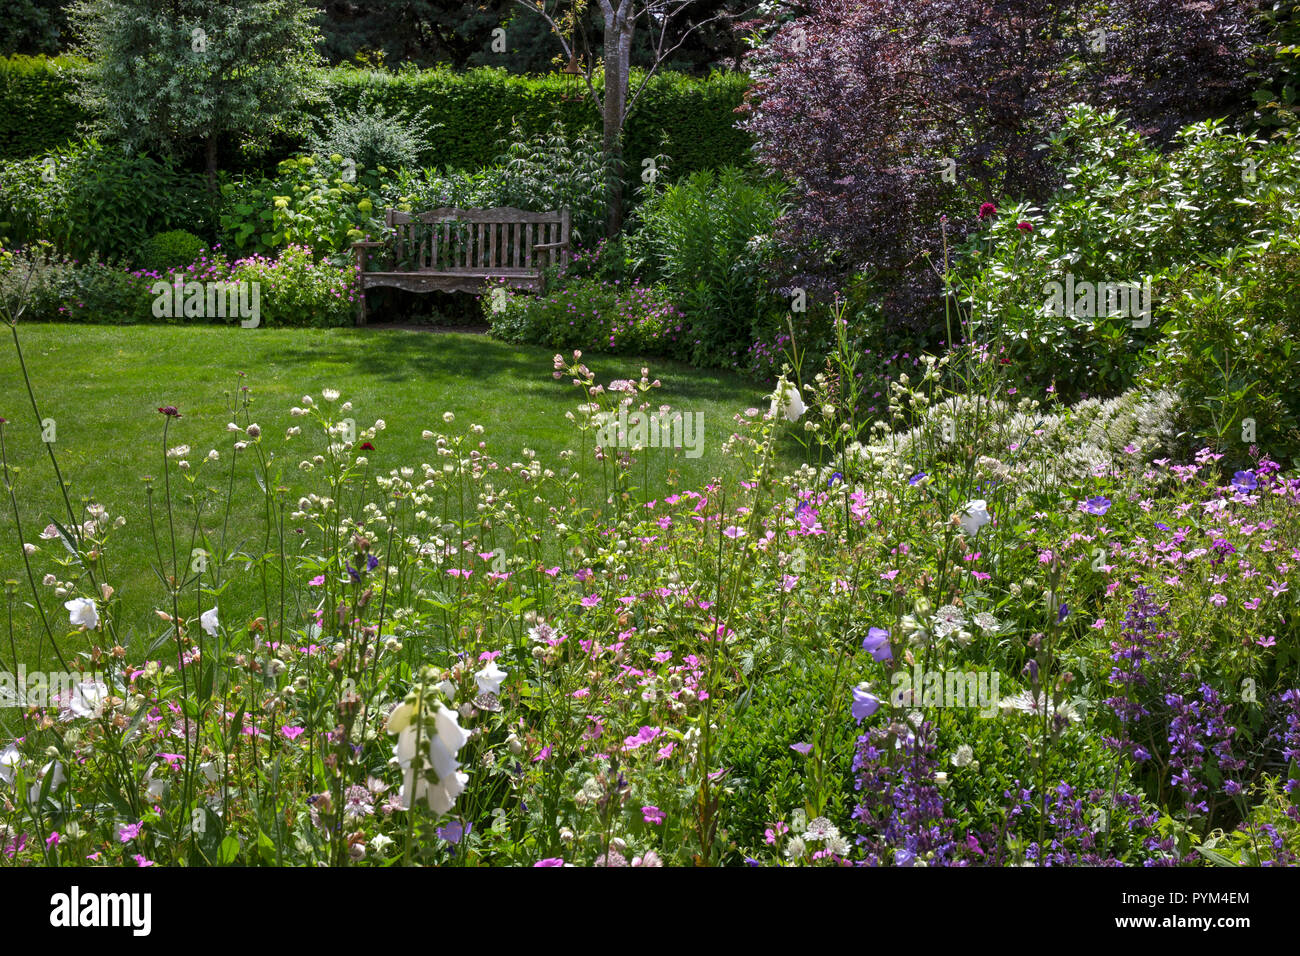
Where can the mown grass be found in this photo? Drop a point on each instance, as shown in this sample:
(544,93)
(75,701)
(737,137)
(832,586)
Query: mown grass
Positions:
(102,387)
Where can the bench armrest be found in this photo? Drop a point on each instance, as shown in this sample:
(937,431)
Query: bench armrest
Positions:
(551,245)
(368,244)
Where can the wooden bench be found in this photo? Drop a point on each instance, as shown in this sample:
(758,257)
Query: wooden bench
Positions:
(462,250)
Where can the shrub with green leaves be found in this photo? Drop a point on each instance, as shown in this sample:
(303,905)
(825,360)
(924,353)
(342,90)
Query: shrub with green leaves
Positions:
(708,238)
(371,137)
(1229,347)
(691,119)
(1127,212)
(169,250)
(60,289)
(294,290)
(323,202)
(555,171)
(155,78)
(590,314)
(90,199)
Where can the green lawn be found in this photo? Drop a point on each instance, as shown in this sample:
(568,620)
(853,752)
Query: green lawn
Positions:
(103,385)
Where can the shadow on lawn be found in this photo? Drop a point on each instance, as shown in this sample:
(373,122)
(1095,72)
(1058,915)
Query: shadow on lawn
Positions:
(400,355)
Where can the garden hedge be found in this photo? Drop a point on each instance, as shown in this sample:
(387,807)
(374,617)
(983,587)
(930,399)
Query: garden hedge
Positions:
(691,120)
(37,113)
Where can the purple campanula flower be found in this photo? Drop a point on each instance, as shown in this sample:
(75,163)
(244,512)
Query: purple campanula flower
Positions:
(865,703)
(454,831)
(877,642)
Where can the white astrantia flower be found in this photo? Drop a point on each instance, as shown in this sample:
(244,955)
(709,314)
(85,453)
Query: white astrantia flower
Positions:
(963,756)
(82,613)
(209,621)
(489,678)
(329,394)
(947,619)
(975,515)
(1030,703)
(787,402)
(819,828)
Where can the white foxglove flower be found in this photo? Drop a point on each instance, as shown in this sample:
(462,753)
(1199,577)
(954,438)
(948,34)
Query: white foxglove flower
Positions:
(787,402)
(82,613)
(489,678)
(449,730)
(58,779)
(400,718)
(975,515)
(209,621)
(445,738)
(88,699)
(10,760)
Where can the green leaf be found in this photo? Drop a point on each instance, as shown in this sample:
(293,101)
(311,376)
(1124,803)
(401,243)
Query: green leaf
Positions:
(1218,859)
(229,851)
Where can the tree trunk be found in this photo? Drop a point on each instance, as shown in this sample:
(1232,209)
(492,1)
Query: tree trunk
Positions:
(618,52)
(211,146)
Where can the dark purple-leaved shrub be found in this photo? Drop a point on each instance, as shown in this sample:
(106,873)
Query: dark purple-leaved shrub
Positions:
(865,106)
(1168,63)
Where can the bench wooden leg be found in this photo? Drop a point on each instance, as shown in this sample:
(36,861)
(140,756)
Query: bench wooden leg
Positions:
(361,306)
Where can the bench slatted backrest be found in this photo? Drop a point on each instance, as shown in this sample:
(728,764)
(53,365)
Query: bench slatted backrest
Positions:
(493,241)
(476,240)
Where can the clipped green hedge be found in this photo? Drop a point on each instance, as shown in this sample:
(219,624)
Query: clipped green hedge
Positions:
(691,120)
(37,113)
